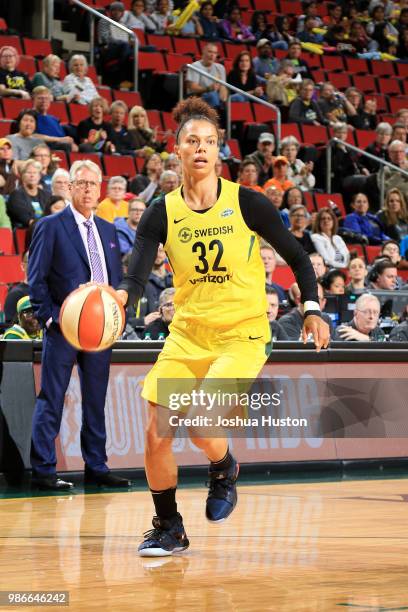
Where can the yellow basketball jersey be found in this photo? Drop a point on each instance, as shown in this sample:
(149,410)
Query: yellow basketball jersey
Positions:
(219,275)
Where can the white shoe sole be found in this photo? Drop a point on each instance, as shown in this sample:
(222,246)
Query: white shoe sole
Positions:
(160,552)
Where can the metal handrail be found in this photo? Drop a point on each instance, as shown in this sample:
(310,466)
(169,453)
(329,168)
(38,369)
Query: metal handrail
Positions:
(50,18)
(379,160)
(236,90)
(94,13)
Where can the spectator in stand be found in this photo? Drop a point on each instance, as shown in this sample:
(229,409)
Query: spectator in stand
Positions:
(13,82)
(262,30)
(264,64)
(77,86)
(379,147)
(334,282)
(366,113)
(208,21)
(142,137)
(402,49)
(49,77)
(232,28)
(138,19)
(299,220)
(275,196)
(292,197)
(27,203)
(49,128)
(282,26)
(159,328)
(299,173)
(173,163)
(4,218)
(60,185)
(277,331)
(309,10)
(27,328)
(292,322)
(400,332)
(399,132)
(263,157)
(126,228)
(327,242)
(159,279)
(334,105)
(114,205)
(116,50)
(308,34)
(318,264)
(380,29)
(23,141)
(243,76)
(146,185)
(280,175)
(402,23)
(357,270)
(8,168)
(168,181)
(304,109)
(248,176)
(334,15)
(54,205)
(42,154)
(282,88)
(391,249)
(162,16)
(362,43)
(362,222)
(95,134)
(393,217)
(269,259)
(15,293)
(392,178)
(196,84)
(401,116)
(121,139)
(364,326)
(294,55)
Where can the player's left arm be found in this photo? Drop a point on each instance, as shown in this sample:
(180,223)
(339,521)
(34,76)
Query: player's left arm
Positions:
(262,217)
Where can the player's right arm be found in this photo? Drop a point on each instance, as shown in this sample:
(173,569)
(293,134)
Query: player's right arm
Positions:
(151,231)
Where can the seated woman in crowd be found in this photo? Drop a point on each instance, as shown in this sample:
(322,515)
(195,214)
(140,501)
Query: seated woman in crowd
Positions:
(299,220)
(60,185)
(23,141)
(50,77)
(357,270)
(77,86)
(143,138)
(379,147)
(298,172)
(138,19)
(42,154)
(209,21)
(95,134)
(243,76)
(13,82)
(8,168)
(260,28)
(328,243)
(54,205)
(333,282)
(162,17)
(393,217)
(146,184)
(232,28)
(27,203)
(248,176)
(362,222)
(120,136)
(366,111)
(114,205)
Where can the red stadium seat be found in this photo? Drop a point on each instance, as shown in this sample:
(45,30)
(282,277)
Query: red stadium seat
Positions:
(154,119)
(131,98)
(176,62)
(266,5)
(310,203)
(11,270)
(37,48)
(105,92)
(314,134)
(28,65)
(93,75)
(323,199)
(162,43)
(382,105)
(233,144)
(185,46)
(12,107)
(290,7)
(284,276)
(226,173)
(357,66)
(91,156)
(402,69)
(372,252)
(3,25)
(12,41)
(380,68)
(241,111)
(231,50)
(20,240)
(366,84)
(390,87)
(263,114)
(151,61)
(6,241)
(3,294)
(63,163)
(291,129)
(59,110)
(313,60)
(5,127)
(332,63)
(340,80)
(398,102)
(364,138)
(168,122)
(122,165)
(78,112)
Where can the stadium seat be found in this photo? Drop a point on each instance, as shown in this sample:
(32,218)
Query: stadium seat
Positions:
(366,83)
(357,66)
(78,112)
(310,203)
(241,111)
(176,62)
(11,270)
(131,98)
(6,241)
(122,165)
(12,107)
(168,122)
(380,68)
(382,105)
(12,41)
(151,61)
(263,114)
(390,87)
(397,102)
(233,144)
(3,25)
(372,252)
(63,163)
(291,129)
(266,5)
(161,42)
(59,110)
(93,75)
(186,46)
(364,138)
(226,173)
(3,294)
(20,240)
(105,92)
(284,276)
(91,156)
(314,134)
(323,199)
(340,80)
(402,69)
(27,64)
(154,118)
(332,63)
(231,50)
(290,7)
(37,48)
(5,127)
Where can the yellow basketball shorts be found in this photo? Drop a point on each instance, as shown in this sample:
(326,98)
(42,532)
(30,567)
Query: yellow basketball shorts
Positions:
(194,351)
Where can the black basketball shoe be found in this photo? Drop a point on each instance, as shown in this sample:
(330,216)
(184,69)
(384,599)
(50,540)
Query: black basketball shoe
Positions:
(222,496)
(166,537)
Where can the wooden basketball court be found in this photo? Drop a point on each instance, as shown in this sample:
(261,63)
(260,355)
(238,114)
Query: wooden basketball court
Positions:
(287,548)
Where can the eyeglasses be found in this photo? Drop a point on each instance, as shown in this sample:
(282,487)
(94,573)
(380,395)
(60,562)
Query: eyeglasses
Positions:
(85,184)
(368,311)
(139,210)
(168,305)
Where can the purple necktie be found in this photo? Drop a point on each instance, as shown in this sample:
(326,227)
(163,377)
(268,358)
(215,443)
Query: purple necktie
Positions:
(94,256)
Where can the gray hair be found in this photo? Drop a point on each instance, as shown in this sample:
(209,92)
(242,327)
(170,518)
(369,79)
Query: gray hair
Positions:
(384,128)
(117,179)
(49,59)
(26,165)
(289,141)
(84,163)
(366,297)
(339,125)
(118,104)
(395,143)
(75,57)
(60,172)
(166,294)
(168,174)
(297,207)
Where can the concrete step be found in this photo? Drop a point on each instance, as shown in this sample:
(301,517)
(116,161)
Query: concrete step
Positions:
(69,39)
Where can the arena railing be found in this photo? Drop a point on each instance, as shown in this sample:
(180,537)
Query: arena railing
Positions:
(94,14)
(379,160)
(228,105)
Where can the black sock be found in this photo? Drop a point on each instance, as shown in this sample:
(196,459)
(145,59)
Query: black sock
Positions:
(165,503)
(224,463)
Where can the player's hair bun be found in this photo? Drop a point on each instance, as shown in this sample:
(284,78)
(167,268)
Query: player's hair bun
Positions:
(192,108)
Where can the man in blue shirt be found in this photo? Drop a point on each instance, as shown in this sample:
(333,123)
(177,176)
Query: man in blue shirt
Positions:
(264,63)
(49,128)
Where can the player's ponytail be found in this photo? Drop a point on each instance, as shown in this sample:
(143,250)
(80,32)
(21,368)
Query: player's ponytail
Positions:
(194,108)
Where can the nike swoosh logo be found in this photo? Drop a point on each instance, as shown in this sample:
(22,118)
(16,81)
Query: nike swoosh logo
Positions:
(254,337)
(178,220)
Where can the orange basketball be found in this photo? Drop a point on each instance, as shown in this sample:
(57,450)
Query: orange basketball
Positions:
(91,318)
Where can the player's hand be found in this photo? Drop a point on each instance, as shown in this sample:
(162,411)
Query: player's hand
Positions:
(122,296)
(319,329)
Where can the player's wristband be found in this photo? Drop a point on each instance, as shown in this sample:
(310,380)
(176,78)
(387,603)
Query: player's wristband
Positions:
(316,313)
(311,308)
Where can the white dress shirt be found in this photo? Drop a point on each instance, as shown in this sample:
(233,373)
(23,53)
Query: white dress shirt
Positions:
(80,220)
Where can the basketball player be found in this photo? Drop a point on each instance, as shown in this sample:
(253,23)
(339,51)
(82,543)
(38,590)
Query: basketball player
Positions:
(220,328)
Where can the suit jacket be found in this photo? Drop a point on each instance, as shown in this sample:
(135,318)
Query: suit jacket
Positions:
(58,262)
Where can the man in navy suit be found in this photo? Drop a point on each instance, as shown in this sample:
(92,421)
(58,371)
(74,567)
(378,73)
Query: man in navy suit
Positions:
(69,249)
